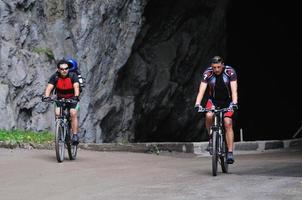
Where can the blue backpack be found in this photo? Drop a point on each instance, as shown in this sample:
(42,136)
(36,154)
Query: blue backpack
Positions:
(73,67)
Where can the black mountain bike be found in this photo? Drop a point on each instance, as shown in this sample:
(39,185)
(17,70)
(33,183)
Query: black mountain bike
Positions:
(63,131)
(219,149)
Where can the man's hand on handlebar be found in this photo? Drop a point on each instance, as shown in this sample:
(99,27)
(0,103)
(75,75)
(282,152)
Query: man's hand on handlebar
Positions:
(233,106)
(76,98)
(46,99)
(198,108)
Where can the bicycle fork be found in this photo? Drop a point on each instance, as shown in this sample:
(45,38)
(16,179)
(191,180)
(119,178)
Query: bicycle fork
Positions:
(218,140)
(63,134)
(221,144)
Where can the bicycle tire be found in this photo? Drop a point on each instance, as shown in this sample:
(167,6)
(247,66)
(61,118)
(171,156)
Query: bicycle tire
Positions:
(71,149)
(215,153)
(59,141)
(223,156)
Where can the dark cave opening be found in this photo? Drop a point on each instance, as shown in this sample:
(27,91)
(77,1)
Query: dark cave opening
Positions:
(264,45)
(165,61)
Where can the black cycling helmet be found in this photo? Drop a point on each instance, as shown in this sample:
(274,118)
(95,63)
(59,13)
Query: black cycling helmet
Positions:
(216,59)
(62,61)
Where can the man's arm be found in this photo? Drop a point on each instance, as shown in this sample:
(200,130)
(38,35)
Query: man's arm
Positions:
(202,89)
(48,89)
(234,87)
(76,87)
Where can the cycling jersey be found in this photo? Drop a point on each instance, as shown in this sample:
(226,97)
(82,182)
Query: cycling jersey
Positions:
(64,85)
(219,89)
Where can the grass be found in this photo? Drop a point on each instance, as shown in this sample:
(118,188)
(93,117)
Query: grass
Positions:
(47,51)
(21,136)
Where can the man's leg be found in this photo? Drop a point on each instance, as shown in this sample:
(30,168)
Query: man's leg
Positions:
(228,124)
(74,125)
(57,111)
(208,123)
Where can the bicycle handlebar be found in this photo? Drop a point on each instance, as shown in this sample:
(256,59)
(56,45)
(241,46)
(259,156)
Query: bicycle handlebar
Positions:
(201,109)
(51,100)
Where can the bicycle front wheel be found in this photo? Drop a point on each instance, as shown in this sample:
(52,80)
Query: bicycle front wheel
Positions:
(215,153)
(60,141)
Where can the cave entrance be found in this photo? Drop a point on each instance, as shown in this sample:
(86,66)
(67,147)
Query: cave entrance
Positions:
(264,45)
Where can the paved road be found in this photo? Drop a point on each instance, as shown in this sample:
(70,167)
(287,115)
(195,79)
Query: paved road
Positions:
(36,175)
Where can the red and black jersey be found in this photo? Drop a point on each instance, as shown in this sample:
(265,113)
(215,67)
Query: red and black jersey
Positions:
(219,85)
(64,85)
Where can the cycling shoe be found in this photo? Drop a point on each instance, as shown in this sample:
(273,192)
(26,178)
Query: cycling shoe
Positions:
(230,158)
(75,139)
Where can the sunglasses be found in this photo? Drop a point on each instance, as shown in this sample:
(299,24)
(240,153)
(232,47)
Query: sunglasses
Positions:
(63,69)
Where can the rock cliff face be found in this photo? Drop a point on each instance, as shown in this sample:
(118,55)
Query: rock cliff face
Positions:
(141,58)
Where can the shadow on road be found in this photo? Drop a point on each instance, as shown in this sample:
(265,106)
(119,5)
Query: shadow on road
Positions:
(279,169)
(287,164)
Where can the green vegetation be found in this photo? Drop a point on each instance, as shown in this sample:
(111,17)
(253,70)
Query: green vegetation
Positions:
(47,51)
(21,136)
(154,149)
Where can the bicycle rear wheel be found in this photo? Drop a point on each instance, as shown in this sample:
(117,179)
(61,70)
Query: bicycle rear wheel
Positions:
(72,150)
(60,141)
(223,156)
(215,153)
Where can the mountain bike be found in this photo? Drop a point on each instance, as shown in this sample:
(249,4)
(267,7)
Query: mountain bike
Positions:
(219,148)
(63,131)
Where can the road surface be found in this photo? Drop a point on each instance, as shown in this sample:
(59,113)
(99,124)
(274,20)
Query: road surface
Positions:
(36,175)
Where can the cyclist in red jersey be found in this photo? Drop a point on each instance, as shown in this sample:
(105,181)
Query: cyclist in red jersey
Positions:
(66,85)
(220,83)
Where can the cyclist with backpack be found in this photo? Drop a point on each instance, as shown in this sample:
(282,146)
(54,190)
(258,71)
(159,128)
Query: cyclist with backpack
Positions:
(220,83)
(66,85)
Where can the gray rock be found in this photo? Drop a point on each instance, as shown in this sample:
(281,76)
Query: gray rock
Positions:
(142,60)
